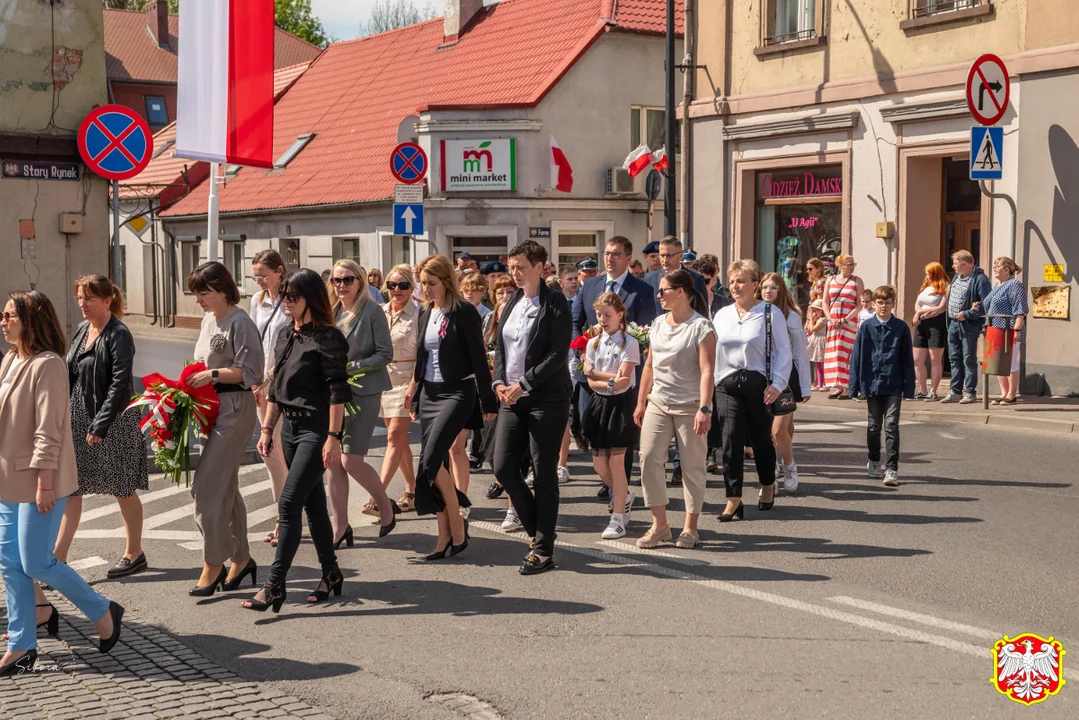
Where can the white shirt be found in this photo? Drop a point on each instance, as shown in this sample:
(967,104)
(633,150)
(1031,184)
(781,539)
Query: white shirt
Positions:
(618,281)
(864,315)
(262,312)
(432,373)
(608,355)
(928,298)
(5,384)
(515,330)
(740,344)
(483,310)
(800,352)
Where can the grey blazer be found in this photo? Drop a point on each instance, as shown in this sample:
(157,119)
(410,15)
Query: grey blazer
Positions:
(369,346)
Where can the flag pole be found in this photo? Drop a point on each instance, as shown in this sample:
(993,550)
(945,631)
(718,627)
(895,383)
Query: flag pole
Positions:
(211,212)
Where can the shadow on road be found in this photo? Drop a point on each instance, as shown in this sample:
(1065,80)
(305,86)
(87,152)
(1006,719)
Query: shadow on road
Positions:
(232,652)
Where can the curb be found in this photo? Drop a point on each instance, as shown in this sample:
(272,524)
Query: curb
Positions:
(979,418)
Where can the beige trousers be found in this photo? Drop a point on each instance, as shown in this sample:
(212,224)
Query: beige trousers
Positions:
(661,424)
(220,512)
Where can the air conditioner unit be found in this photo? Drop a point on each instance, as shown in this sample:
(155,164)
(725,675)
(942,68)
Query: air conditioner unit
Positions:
(618,182)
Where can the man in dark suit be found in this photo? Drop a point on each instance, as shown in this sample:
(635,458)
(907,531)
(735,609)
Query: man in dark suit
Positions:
(636,295)
(670,258)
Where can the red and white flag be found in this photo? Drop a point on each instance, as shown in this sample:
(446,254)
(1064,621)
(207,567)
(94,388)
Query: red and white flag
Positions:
(224,102)
(638,160)
(561,171)
(659,159)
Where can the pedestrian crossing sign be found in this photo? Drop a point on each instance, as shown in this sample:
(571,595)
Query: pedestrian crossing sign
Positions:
(986,153)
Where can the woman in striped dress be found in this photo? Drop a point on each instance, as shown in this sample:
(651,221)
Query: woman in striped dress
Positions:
(841,294)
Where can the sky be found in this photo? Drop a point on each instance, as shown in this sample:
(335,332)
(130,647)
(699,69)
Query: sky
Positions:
(342,18)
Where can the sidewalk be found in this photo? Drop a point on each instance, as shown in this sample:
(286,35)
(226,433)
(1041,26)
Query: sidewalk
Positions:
(149,674)
(1042,414)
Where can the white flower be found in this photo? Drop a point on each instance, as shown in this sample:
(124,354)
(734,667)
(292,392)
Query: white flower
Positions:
(170,445)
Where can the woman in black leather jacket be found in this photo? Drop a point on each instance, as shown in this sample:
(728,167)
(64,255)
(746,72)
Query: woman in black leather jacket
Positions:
(109,447)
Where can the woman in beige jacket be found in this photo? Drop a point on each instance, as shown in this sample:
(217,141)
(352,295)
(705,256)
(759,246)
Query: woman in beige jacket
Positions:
(37,474)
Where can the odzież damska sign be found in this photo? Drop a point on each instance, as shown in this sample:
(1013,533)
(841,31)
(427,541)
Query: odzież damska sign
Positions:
(41,170)
(798,184)
(478,165)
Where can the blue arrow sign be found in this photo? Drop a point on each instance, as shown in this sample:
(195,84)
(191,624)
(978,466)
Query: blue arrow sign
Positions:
(986,153)
(408,220)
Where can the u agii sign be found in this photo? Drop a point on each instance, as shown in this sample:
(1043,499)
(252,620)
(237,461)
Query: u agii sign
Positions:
(478,165)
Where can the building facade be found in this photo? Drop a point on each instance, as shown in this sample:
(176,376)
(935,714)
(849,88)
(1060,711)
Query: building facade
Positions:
(53,209)
(843,127)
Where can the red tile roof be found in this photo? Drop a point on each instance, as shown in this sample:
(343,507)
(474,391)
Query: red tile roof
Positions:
(649,16)
(132,54)
(356,94)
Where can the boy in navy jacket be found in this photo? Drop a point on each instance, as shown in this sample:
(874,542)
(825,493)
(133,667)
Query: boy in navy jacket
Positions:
(882,368)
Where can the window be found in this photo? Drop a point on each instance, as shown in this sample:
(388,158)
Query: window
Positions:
(156,114)
(573,247)
(233,257)
(791,21)
(482,249)
(926,8)
(189,259)
(347,249)
(293,150)
(646,124)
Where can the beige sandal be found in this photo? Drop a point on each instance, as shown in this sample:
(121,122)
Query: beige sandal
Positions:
(407,503)
(371,509)
(653,538)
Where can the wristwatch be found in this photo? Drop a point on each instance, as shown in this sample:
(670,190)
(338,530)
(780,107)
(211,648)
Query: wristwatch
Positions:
(213,376)
(339,435)
(705,409)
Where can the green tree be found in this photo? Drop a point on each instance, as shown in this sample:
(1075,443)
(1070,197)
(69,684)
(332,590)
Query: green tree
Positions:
(295,16)
(393,14)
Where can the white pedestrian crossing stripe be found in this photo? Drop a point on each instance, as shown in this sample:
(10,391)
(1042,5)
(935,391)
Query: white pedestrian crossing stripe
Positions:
(87,563)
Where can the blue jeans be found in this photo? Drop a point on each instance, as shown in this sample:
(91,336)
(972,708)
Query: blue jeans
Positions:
(27,539)
(963,355)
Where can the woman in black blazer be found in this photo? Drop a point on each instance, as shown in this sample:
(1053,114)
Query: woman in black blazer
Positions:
(450,363)
(533,384)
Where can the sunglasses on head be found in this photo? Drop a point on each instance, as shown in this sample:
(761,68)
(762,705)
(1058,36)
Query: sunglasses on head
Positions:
(403,285)
(346,281)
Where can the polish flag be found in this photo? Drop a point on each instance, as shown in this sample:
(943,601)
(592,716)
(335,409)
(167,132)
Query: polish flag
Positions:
(638,160)
(224,103)
(561,172)
(659,159)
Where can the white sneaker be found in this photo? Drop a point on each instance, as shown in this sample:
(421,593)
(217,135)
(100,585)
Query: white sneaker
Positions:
(968,398)
(464,512)
(790,478)
(616,529)
(931,396)
(512,523)
(874,470)
(630,497)
(563,474)
(530,479)
(891,478)
(950,398)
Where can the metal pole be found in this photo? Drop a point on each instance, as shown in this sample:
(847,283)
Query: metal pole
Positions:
(1011,204)
(688,86)
(670,216)
(116,278)
(211,212)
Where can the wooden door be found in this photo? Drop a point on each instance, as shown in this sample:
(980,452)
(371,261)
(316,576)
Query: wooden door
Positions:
(960,231)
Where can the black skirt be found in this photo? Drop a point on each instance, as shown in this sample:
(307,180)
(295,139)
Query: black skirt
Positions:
(445,409)
(608,421)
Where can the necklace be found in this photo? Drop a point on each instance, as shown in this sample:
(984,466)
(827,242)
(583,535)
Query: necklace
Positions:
(740,311)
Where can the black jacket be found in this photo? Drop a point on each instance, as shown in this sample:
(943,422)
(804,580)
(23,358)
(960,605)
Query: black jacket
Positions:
(460,353)
(107,389)
(546,375)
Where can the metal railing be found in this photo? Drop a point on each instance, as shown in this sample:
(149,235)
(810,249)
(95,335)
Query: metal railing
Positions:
(795,36)
(928,8)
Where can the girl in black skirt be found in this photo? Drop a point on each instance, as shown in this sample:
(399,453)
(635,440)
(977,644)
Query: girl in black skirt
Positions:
(608,422)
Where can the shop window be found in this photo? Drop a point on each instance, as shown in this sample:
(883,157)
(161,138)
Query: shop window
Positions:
(799,216)
(233,257)
(156,114)
(573,247)
(482,249)
(189,260)
(790,21)
(346,249)
(928,8)
(647,124)
(290,253)
(400,250)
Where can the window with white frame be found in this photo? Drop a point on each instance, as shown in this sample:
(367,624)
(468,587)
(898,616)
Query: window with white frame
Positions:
(233,257)
(346,249)
(575,246)
(647,124)
(189,260)
(482,249)
(927,8)
(787,21)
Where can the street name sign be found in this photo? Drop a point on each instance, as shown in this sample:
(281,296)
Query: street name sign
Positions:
(115,142)
(408,163)
(408,194)
(408,219)
(986,153)
(988,89)
(39,170)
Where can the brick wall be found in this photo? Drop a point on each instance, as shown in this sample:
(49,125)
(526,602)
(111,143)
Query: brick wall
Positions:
(133,96)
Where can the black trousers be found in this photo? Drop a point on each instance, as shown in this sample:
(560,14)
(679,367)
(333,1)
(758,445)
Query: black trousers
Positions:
(884,410)
(744,416)
(536,428)
(302,441)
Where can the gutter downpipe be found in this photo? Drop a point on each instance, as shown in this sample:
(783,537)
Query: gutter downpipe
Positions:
(689,38)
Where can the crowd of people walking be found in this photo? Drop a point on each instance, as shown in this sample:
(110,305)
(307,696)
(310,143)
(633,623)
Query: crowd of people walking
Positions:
(670,360)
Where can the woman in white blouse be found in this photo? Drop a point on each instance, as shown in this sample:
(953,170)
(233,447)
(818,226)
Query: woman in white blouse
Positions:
(268,270)
(675,399)
(743,390)
(403,315)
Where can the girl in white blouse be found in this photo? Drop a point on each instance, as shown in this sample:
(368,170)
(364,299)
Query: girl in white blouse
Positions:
(609,365)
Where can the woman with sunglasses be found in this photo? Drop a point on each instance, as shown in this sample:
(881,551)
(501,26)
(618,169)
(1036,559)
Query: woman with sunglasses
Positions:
(374,282)
(309,389)
(40,473)
(364,325)
(268,270)
(451,365)
(230,346)
(403,315)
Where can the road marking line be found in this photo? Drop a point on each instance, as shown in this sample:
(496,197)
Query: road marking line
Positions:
(87,563)
(188,510)
(919,618)
(261,515)
(978,651)
(193,545)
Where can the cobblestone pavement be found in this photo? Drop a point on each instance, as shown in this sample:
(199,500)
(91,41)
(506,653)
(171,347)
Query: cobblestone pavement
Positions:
(149,674)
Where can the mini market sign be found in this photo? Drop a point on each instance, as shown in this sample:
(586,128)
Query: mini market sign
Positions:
(478,165)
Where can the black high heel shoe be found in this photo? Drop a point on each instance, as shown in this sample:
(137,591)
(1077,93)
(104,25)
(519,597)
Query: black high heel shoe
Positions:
(458,549)
(52,624)
(346,538)
(738,514)
(116,610)
(440,554)
(333,581)
(199,591)
(251,568)
(384,530)
(761,505)
(21,666)
(275,598)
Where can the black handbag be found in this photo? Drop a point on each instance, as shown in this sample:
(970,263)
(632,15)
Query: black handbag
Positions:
(784,404)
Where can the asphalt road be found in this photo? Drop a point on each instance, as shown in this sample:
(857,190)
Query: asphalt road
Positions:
(849,599)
